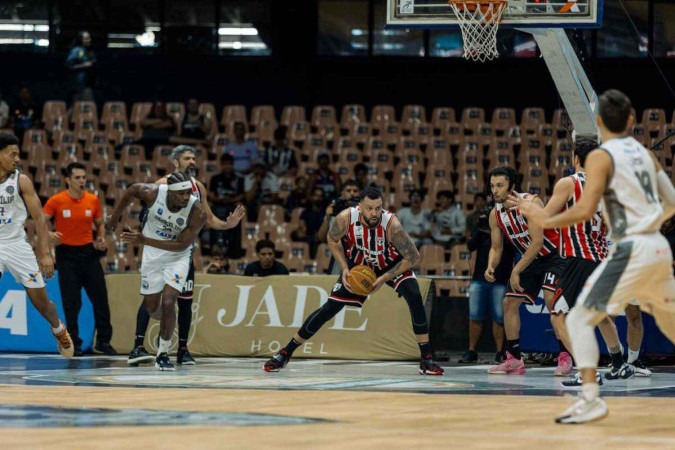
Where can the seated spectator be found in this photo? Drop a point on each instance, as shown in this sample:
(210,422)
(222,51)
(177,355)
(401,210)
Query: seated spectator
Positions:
(361,175)
(262,188)
(349,197)
(219,264)
(325,178)
(25,113)
(449,224)
(479,206)
(226,191)
(300,234)
(4,113)
(279,157)
(312,216)
(243,150)
(157,128)
(298,197)
(267,263)
(415,220)
(195,128)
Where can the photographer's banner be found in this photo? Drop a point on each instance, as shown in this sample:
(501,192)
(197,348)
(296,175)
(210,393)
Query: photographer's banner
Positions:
(250,316)
(23,329)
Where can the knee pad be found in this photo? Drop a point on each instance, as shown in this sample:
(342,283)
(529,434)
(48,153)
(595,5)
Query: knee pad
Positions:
(318,318)
(410,290)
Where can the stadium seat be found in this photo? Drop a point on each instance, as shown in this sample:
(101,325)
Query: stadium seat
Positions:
(323,255)
(531,119)
(381,115)
(139,111)
(391,133)
(299,132)
(441,117)
(271,214)
(413,114)
(454,133)
(360,134)
(84,110)
(471,118)
(232,114)
(323,118)
(33,136)
(352,114)
(503,119)
(291,114)
(176,110)
(260,113)
(113,110)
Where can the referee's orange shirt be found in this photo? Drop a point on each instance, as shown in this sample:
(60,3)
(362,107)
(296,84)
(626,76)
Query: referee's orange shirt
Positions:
(74,217)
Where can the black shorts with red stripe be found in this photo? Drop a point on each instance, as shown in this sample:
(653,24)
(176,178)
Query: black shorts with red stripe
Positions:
(542,273)
(341,294)
(576,273)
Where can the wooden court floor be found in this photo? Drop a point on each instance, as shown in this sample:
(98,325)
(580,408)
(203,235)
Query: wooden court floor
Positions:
(92,403)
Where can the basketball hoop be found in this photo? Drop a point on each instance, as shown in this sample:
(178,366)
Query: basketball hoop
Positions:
(479,21)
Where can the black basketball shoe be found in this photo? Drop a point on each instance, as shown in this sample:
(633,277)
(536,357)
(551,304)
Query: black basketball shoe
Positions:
(278,361)
(624,372)
(162,362)
(139,355)
(184,358)
(429,367)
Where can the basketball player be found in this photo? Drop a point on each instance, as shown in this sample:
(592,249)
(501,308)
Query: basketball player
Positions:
(184,159)
(175,218)
(368,235)
(631,183)
(540,266)
(18,199)
(584,245)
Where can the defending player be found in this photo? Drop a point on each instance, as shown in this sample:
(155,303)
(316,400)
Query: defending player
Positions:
(184,159)
(371,236)
(540,266)
(17,200)
(175,218)
(631,183)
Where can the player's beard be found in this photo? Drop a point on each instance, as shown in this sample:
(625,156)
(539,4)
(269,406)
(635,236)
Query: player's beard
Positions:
(372,223)
(191,171)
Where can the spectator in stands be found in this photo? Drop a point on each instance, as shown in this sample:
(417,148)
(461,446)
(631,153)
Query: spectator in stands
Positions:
(279,157)
(361,175)
(261,187)
(226,191)
(479,205)
(244,151)
(158,127)
(349,197)
(267,263)
(218,264)
(325,178)
(25,113)
(81,63)
(4,112)
(486,299)
(312,217)
(195,128)
(449,224)
(415,220)
(298,197)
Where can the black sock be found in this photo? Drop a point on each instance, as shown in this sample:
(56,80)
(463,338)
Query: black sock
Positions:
(139,341)
(184,321)
(292,345)
(562,347)
(513,347)
(425,350)
(142,321)
(617,359)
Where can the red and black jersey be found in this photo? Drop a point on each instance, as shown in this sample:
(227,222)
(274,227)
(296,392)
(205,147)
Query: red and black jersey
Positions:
(587,240)
(514,226)
(370,246)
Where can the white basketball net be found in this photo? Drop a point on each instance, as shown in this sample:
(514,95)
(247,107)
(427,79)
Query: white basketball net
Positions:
(479,22)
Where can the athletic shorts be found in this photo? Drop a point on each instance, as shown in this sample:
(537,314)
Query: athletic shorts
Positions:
(19,259)
(572,281)
(542,273)
(638,268)
(162,267)
(343,295)
(188,289)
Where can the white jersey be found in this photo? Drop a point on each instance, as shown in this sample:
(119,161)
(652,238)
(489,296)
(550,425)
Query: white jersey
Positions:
(13,212)
(163,224)
(631,201)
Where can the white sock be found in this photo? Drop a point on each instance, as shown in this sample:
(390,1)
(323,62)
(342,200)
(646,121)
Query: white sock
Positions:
(633,355)
(590,391)
(58,329)
(164,346)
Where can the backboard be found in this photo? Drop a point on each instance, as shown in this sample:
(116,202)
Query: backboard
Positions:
(519,14)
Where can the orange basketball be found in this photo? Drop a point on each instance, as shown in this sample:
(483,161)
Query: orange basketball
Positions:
(361,279)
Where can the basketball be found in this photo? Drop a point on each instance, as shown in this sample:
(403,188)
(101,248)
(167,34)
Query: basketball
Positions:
(361,279)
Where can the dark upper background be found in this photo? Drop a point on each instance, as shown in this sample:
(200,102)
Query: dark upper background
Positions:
(312,55)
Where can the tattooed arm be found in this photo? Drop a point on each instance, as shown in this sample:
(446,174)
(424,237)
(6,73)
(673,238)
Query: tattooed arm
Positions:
(405,246)
(335,235)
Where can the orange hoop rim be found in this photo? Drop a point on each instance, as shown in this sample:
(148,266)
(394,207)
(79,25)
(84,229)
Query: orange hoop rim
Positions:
(479,2)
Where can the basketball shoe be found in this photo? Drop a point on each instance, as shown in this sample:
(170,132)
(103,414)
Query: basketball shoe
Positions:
(640,369)
(64,342)
(583,411)
(162,362)
(577,382)
(278,361)
(511,366)
(565,365)
(139,355)
(184,358)
(429,367)
(625,372)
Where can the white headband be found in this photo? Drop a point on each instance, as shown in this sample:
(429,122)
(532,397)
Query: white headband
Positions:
(180,186)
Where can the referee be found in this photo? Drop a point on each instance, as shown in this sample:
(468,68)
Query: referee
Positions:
(77,259)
